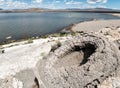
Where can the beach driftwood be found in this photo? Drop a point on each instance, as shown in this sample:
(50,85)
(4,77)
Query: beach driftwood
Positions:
(84,61)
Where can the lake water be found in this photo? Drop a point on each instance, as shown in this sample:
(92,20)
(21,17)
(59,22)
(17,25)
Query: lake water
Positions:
(21,25)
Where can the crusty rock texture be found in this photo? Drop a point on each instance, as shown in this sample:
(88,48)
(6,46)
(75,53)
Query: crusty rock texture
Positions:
(84,61)
(22,79)
(88,60)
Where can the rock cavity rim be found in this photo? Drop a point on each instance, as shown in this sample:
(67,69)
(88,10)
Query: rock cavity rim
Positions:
(82,62)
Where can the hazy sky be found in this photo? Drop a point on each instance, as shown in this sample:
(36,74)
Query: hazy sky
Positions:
(59,4)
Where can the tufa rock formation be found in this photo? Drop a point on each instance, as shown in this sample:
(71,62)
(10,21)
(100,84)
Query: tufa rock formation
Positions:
(84,61)
(23,79)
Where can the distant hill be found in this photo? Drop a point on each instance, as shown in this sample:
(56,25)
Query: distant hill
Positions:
(24,10)
(95,10)
(100,10)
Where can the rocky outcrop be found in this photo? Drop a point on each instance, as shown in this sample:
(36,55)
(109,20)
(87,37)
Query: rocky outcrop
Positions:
(112,34)
(84,61)
(22,79)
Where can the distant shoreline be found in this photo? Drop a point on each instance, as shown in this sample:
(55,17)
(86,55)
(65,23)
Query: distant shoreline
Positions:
(95,10)
(59,11)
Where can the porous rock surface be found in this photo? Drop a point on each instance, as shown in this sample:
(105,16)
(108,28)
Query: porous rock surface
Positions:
(22,79)
(84,61)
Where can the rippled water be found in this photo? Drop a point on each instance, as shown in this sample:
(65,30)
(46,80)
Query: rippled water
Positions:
(20,25)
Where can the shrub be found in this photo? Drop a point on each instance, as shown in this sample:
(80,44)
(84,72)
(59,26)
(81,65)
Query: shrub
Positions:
(63,34)
(29,41)
(42,54)
(44,36)
(54,47)
(58,43)
(73,33)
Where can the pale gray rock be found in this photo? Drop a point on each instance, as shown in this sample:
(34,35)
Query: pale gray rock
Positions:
(22,79)
(111,82)
(81,62)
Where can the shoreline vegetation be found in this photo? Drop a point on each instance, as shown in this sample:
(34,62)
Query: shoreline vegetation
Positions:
(86,26)
(56,34)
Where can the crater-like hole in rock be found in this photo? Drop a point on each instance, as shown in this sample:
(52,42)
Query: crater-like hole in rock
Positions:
(78,56)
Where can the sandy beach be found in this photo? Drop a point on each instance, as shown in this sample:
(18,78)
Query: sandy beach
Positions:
(94,26)
(21,56)
(116,15)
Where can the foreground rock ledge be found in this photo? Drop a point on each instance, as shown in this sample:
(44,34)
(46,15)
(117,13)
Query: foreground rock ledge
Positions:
(81,62)
(84,61)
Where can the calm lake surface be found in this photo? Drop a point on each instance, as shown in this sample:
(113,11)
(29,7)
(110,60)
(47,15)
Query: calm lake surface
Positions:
(20,25)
